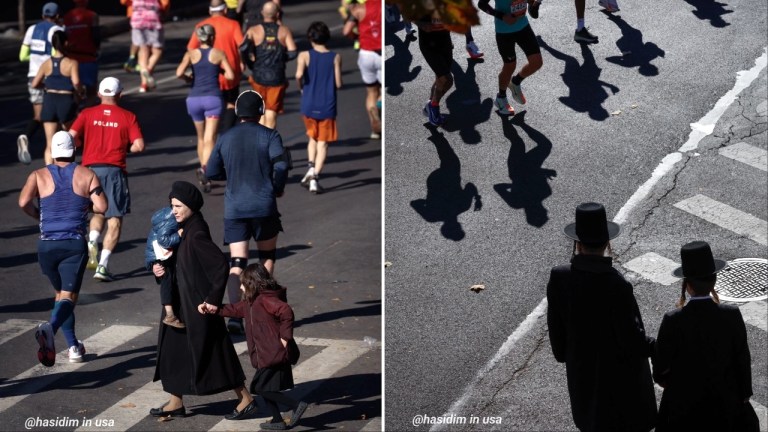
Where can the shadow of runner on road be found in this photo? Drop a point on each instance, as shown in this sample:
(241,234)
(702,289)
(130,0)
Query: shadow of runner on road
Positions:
(464,102)
(710,10)
(530,186)
(446,198)
(398,66)
(354,397)
(587,91)
(635,53)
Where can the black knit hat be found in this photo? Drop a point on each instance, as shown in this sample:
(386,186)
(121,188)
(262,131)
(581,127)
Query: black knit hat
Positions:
(188,194)
(249,104)
(592,225)
(697,261)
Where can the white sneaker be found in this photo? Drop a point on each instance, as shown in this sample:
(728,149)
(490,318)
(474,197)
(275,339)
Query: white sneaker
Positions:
(93,256)
(315,187)
(502,104)
(44,337)
(22,142)
(473,51)
(76,353)
(307,177)
(609,5)
(517,93)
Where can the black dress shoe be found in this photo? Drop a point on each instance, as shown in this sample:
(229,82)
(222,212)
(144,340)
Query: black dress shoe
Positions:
(158,412)
(239,415)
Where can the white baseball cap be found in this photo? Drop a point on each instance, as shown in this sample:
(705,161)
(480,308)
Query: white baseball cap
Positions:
(110,86)
(62,145)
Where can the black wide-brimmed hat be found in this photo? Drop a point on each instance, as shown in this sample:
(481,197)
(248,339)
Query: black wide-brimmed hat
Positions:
(592,226)
(697,261)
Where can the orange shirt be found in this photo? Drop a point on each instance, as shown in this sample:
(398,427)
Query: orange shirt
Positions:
(228,38)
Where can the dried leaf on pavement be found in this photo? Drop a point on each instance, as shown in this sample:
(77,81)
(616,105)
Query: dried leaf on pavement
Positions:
(477,288)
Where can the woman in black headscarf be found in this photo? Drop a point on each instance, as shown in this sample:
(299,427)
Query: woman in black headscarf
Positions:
(199,359)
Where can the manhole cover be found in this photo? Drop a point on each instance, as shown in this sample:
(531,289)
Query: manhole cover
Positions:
(743,280)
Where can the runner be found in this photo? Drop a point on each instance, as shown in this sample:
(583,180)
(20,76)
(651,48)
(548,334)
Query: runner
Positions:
(436,47)
(368,18)
(84,40)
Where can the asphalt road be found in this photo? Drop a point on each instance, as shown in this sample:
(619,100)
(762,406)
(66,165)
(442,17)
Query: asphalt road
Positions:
(484,199)
(329,257)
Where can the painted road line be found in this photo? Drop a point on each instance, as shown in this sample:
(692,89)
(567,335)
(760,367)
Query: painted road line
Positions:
(726,217)
(700,129)
(135,407)
(16,327)
(530,321)
(755,313)
(748,154)
(654,267)
(373,425)
(38,377)
(308,375)
(762,415)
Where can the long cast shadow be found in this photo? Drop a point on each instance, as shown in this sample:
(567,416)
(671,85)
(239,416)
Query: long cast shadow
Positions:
(587,91)
(446,198)
(530,186)
(635,53)
(465,100)
(398,66)
(710,10)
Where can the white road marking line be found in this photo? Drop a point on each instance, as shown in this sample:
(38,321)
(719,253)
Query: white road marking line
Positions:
(308,375)
(373,425)
(762,414)
(755,313)
(36,378)
(748,154)
(726,217)
(15,327)
(654,267)
(458,407)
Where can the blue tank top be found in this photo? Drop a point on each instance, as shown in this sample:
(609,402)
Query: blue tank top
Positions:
(57,81)
(318,99)
(63,214)
(206,76)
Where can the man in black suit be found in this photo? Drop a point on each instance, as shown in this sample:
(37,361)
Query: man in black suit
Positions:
(702,356)
(596,329)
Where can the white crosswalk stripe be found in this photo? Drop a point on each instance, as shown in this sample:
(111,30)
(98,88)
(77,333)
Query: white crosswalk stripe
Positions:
(16,327)
(38,377)
(748,154)
(654,267)
(727,217)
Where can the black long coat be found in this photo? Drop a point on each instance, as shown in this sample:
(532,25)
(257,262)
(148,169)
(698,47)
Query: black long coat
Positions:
(702,357)
(199,359)
(596,329)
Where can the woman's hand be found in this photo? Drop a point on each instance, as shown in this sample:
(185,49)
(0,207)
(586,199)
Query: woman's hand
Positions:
(206,308)
(158,270)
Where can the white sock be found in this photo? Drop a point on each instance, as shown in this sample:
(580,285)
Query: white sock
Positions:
(579,24)
(104,261)
(93,236)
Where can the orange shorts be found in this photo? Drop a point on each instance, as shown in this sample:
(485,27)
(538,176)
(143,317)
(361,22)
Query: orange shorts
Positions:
(321,130)
(273,95)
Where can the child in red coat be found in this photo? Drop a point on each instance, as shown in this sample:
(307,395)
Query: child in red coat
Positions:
(268,323)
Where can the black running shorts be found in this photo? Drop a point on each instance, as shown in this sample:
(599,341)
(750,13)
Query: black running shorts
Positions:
(525,38)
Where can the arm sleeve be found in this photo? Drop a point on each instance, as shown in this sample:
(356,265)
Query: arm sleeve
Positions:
(743,358)
(665,346)
(557,328)
(134,131)
(214,169)
(168,236)
(629,328)
(280,165)
(214,265)
(24,53)
(232,310)
(285,314)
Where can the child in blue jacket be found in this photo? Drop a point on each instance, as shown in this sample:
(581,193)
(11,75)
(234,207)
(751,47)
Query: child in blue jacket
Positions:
(161,241)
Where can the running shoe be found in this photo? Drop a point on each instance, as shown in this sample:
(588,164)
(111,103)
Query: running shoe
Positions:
(433,114)
(103,274)
(609,6)
(502,104)
(517,93)
(93,253)
(533,9)
(22,142)
(307,177)
(315,187)
(585,36)
(143,88)
(375,135)
(44,337)
(151,84)
(131,65)
(473,51)
(76,353)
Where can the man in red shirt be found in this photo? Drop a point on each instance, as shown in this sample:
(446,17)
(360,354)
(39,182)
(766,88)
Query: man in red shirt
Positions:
(368,18)
(83,42)
(229,36)
(109,132)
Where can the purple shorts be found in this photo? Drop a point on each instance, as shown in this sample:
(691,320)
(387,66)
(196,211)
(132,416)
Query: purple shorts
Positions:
(202,107)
